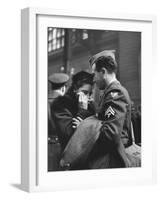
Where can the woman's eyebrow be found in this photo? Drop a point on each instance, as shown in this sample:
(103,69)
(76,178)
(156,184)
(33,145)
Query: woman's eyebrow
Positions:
(84,90)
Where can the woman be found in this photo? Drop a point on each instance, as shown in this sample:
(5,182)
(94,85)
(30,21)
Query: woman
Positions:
(69,110)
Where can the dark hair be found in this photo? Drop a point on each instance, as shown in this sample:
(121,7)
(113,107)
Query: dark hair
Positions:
(81,78)
(106,62)
(78,80)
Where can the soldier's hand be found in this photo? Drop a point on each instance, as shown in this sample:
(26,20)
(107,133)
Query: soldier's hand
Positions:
(76,122)
(83,100)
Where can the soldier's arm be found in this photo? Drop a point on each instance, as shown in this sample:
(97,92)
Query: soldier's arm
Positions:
(115,109)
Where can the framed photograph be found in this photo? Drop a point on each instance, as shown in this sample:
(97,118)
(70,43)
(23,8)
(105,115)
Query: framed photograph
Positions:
(61,52)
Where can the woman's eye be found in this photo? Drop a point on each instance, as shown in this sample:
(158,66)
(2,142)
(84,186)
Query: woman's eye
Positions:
(85,92)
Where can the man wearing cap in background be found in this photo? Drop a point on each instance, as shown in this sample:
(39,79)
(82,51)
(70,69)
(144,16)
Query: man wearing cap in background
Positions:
(115,113)
(57,83)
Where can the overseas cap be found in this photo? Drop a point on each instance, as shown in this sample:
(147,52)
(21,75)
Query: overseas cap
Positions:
(106,53)
(57,80)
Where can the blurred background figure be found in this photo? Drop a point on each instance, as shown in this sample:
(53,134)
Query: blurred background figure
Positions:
(57,83)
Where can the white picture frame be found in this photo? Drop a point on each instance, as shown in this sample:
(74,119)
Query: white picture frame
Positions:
(34,176)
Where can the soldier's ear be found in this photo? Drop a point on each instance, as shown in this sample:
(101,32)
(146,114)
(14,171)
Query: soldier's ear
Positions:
(63,90)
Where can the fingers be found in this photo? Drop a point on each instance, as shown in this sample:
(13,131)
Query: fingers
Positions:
(77,119)
(74,126)
(83,101)
(83,97)
(80,119)
(76,122)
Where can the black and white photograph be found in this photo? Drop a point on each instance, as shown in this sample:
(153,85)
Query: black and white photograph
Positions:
(94,99)
(80,100)
(87,93)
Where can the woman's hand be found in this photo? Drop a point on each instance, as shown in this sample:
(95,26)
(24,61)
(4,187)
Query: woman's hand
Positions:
(76,122)
(83,100)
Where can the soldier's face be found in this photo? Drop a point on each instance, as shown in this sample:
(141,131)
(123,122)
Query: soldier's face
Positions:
(98,78)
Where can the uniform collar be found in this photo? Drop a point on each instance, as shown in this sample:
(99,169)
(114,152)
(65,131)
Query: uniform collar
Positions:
(112,83)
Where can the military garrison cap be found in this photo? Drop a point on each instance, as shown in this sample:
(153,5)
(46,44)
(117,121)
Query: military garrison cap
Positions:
(106,53)
(57,80)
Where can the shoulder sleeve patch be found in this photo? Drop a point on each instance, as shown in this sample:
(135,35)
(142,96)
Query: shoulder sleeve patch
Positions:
(114,94)
(109,112)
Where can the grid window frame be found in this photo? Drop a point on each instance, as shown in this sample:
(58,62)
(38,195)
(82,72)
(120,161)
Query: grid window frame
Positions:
(56,38)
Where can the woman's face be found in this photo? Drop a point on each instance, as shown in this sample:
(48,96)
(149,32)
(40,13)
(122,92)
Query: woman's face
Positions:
(86,89)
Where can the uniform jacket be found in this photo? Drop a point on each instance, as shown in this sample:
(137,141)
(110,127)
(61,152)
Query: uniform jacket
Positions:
(115,114)
(62,111)
(54,147)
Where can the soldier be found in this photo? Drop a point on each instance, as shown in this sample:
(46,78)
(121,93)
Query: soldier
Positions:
(58,87)
(115,113)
